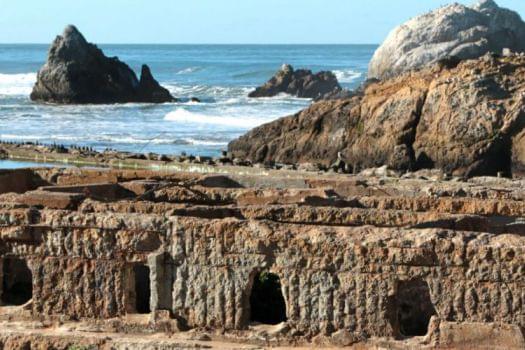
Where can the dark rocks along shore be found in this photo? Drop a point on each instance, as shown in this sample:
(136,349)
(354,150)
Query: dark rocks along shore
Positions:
(301,83)
(78,72)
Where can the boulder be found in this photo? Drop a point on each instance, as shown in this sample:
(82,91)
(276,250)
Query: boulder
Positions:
(78,72)
(467,120)
(465,32)
(301,83)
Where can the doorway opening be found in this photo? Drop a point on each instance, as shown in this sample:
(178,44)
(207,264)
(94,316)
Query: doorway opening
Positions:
(142,289)
(267,303)
(414,308)
(17,282)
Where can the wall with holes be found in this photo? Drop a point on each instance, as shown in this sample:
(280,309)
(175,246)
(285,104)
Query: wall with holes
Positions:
(366,280)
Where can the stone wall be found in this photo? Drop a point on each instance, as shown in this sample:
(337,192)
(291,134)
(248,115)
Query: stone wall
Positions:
(392,258)
(333,278)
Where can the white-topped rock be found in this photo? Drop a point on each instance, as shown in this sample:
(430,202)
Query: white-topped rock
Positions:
(454,30)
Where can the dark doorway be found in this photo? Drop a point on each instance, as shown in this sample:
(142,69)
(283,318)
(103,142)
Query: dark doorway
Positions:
(17,282)
(142,289)
(414,308)
(266,301)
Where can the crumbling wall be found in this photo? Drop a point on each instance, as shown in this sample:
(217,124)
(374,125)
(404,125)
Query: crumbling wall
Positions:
(78,288)
(333,278)
(343,278)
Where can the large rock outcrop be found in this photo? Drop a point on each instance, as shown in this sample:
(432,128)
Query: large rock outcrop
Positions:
(467,120)
(301,83)
(455,30)
(78,72)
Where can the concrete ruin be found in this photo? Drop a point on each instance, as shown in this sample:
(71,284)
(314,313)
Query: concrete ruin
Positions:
(120,259)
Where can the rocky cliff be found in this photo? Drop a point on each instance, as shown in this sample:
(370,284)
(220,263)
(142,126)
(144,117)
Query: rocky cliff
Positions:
(465,118)
(454,30)
(77,72)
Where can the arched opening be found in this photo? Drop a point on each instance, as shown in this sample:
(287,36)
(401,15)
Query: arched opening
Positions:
(17,282)
(267,303)
(413,308)
(142,289)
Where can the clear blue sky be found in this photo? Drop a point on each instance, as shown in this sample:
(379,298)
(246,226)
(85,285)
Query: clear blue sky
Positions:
(213,21)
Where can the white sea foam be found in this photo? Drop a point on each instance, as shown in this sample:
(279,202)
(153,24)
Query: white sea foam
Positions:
(205,142)
(132,140)
(159,140)
(31,137)
(218,92)
(189,70)
(280,99)
(182,115)
(347,75)
(17,84)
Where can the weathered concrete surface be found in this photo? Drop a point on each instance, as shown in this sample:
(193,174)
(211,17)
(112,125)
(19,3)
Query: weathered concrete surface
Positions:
(364,261)
(85,336)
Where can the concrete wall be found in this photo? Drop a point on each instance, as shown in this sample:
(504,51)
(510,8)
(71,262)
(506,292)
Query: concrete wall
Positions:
(332,278)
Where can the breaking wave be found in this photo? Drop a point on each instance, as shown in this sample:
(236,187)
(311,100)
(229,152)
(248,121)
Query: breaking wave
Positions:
(131,139)
(17,84)
(182,115)
(347,75)
(189,70)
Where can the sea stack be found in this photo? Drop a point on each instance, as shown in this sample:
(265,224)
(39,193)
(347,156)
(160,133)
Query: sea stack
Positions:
(78,72)
(301,83)
(457,30)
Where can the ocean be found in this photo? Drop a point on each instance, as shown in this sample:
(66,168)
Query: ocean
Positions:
(220,75)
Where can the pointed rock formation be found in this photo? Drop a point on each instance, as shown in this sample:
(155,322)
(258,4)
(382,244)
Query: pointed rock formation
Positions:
(456,30)
(301,83)
(149,90)
(78,72)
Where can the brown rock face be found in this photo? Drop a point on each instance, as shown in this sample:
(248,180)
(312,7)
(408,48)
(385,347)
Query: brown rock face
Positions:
(315,134)
(130,259)
(465,119)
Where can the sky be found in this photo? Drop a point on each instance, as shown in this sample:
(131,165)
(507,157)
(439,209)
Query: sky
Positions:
(214,21)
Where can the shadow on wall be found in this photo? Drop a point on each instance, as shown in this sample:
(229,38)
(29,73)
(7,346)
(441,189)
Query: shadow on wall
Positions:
(20,181)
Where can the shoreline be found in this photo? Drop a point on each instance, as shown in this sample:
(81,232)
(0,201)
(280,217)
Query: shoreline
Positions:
(59,156)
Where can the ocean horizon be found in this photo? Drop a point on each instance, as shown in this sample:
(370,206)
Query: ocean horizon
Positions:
(220,75)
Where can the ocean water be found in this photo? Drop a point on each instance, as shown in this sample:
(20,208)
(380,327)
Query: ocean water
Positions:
(10,164)
(220,75)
